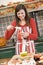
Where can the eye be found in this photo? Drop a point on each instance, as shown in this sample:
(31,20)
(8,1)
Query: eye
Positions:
(22,13)
(18,13)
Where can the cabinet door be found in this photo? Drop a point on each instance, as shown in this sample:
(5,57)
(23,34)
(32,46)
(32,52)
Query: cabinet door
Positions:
(39,47)
(7,53)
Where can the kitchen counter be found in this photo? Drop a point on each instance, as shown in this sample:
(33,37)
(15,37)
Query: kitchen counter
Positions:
(5,61)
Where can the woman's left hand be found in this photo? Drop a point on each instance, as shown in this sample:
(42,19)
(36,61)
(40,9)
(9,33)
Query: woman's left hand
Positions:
(25,34)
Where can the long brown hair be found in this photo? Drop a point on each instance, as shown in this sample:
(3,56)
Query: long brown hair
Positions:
(18,8)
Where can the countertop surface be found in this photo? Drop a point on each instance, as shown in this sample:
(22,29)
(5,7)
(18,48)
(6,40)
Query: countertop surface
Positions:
(5,61)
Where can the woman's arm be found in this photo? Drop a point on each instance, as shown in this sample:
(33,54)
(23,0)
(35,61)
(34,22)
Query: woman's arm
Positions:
(9,33)
(34,34)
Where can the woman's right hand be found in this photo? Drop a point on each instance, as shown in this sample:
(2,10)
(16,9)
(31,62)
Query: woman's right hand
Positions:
(10,27)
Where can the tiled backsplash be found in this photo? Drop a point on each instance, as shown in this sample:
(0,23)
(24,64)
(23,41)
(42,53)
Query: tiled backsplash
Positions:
(4,22)
(39,17)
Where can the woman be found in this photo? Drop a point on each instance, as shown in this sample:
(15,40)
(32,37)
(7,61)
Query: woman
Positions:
(24,26)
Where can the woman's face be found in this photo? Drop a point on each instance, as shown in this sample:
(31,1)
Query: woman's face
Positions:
(21,14)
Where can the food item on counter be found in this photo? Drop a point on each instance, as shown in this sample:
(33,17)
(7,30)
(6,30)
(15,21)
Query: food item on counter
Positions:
(30,54)
(38,56)
(41,61)
(15,59)
(28,58)
(23,54)
(3,41)
(41,58)
(21,60)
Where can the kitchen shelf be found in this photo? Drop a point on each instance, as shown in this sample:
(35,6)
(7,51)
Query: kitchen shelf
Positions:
(6,7)
(29,2)
(10,14)
(34,10)
(12,6)
(29,11)
(20,3)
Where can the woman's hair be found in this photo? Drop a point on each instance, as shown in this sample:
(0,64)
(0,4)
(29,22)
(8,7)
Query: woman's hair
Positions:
(18,8)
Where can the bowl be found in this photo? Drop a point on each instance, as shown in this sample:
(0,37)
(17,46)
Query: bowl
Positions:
(3,41)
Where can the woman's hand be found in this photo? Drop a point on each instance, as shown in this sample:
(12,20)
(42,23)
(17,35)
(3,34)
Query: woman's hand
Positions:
(10,27)
(25,34)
